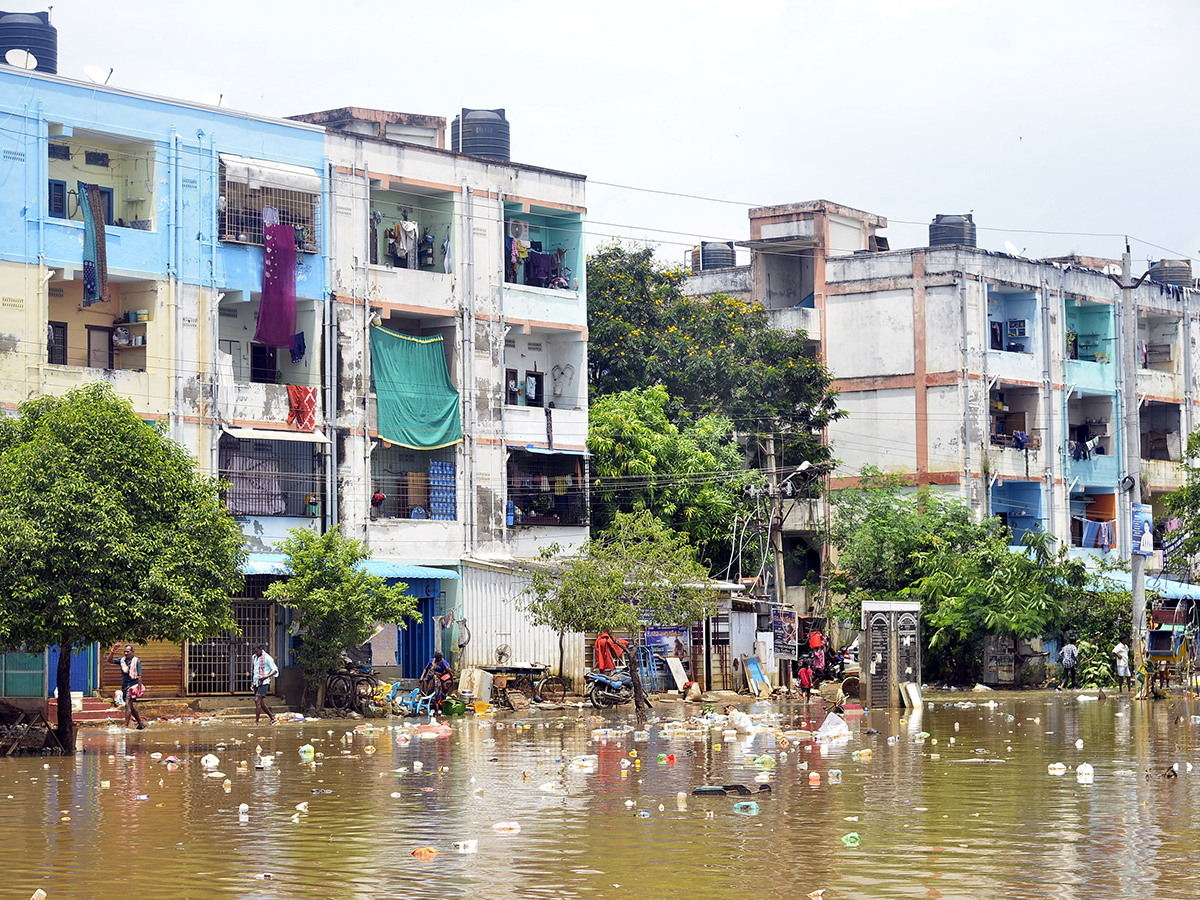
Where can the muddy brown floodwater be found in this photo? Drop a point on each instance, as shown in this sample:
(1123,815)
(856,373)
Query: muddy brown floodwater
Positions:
(971,812)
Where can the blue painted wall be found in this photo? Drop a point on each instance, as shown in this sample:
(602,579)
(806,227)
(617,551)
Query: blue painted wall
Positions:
(185,178)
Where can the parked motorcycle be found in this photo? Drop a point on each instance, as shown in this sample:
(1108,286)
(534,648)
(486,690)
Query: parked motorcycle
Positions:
(608,690)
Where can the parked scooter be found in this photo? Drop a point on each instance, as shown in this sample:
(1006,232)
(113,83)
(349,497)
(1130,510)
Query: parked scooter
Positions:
(608,690)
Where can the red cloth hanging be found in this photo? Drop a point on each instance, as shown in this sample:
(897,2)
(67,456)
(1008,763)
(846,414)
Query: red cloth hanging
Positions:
(607,650)
(302,407)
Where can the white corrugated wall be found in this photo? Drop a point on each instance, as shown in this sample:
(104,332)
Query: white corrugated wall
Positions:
(488,595)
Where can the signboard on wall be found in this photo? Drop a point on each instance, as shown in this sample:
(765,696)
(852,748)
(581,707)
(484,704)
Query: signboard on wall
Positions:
(669,641)
(1143,529)
(786,633)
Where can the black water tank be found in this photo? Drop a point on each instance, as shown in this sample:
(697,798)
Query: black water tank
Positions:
(32,32)
(481,132)
(1172,271)
(945,230)
(713,255)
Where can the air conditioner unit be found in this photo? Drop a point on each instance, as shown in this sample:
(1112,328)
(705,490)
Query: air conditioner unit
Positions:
(1018,328)
(518,229)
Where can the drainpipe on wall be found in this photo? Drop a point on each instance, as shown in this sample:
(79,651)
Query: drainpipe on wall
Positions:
(330,359)
(966,385)
(1187,362)
(464,353)
(173,291)
(366,373)
(214,188)
(1047,393)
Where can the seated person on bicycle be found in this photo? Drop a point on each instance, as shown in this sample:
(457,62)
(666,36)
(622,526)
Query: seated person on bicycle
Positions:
(441,674)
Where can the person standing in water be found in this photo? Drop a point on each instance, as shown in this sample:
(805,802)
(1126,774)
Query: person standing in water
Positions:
(131,678)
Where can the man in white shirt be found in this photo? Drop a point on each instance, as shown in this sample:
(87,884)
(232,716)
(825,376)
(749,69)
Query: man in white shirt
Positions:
(1121,658)
(264,669)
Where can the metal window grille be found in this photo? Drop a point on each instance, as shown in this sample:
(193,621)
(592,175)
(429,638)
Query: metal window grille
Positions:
(241,214)
(546,490)
(415,484)
(221,665)
(271,478)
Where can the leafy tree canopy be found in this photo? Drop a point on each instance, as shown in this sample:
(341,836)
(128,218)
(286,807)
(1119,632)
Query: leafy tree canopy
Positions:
(107,532)
(714,354)
(878,526)
(689,476)
(637,572)
(335,600)
(1185,504)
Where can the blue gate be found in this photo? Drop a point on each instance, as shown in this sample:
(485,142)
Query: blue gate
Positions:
(83,669)
(416,641)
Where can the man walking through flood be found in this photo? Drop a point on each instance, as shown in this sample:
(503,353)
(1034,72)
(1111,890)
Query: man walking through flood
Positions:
(1069,656)
(264,669)
(1121,660)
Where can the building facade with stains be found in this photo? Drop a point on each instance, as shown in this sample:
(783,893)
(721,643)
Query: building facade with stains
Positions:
(988,375)
(179,194)
(459,298)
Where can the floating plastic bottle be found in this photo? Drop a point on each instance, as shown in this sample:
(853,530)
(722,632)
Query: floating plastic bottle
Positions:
(852,839)
(746,808)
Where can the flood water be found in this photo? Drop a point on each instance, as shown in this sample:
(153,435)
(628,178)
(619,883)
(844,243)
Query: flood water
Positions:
(934,819)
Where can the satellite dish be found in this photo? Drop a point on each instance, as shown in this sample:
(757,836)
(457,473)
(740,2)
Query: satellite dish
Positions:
(21,59)
(212,98)
(97,75)
(1011,248)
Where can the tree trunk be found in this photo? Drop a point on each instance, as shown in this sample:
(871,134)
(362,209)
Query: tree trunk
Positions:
(640,703)
(66,724)
(321,695)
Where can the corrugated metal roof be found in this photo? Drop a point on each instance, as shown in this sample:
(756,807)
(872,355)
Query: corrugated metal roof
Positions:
(276,564)
(1172,590)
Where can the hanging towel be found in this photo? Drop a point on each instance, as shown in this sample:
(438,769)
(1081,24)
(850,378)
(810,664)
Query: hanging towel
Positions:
(226,389)
(446,266)
(302,407)
(277,308)
(1103,540)
(1091,531)
(95,255)
(298,347)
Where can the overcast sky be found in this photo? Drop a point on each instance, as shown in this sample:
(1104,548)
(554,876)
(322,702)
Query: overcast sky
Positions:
(1074,116)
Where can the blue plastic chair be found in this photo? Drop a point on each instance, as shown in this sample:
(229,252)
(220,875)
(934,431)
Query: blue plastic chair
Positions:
(415,703)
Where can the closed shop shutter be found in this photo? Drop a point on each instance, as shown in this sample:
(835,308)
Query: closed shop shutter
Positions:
(162,669)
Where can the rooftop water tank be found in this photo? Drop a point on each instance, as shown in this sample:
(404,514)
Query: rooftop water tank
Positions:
(1172,271)
(481,132)
(713,255)
(31,32)
(945,230)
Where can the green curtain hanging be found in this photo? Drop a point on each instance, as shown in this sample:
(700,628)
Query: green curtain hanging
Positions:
(418,406)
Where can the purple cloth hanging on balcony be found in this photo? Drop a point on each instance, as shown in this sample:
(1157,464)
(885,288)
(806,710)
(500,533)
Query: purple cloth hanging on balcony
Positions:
(277,309)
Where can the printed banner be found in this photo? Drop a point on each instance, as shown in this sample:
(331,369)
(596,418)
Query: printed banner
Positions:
(783,624)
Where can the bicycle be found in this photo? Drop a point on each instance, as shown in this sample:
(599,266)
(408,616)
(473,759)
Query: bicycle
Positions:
(546,689)
(351,688)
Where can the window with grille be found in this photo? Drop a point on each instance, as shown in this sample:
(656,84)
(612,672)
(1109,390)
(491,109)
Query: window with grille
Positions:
(241,213)
(414,484)
(58,199)
(546,489)
(57,344)
(271,478)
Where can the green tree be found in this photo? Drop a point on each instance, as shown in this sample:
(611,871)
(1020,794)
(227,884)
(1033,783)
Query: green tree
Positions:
(715,354)
(637,571)
(107,533)
(1184,503)
(878,526)
(689,476)
(987,588)
(335,600)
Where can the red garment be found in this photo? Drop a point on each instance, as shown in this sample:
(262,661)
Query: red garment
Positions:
(814,640)
(806,678)
(607,650)
(302,402)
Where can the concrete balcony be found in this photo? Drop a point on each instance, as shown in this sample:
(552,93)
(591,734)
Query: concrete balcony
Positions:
(411,287)
(797,318)
(1019,366)
(528,425)
(267,403)
(1159,384)
(1099,471)
(1162,474)
(149,394)
(1009,462)
(128,250)
(1086,375)
(534,304)
(803,515)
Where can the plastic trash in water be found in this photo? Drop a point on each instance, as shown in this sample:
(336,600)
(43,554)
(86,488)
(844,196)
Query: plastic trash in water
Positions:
(244,810)
(681,801)
(1079,744)
(852,839)
(1056,768)
(835,776)
(209,761)
(471,846)
(642,814)
(1084,773)
(507,827)
(746,808)
(814,777)
(863,755)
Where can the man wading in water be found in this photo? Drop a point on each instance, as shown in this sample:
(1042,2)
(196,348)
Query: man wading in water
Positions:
(131,684)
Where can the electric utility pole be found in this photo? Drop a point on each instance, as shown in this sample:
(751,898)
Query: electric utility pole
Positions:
(1131,437)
